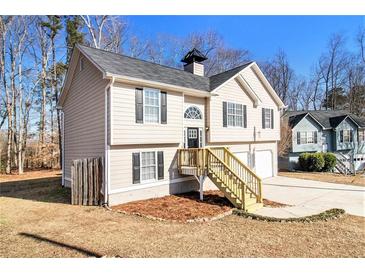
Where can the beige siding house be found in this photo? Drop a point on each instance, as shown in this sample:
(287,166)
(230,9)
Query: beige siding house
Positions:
(138,115)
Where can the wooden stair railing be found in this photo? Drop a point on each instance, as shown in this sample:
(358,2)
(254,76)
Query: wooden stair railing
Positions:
(249,177)
(239,184)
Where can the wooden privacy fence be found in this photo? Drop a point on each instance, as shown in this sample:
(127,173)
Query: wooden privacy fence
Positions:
(86,181)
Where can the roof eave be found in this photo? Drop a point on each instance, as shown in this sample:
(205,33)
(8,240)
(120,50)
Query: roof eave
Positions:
(154,84)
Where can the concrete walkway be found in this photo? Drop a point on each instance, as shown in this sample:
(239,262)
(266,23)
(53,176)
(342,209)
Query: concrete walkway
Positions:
(310,197)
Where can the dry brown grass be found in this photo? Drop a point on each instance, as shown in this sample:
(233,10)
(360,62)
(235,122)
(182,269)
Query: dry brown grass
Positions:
(28,175)
(40,223)
(358,180)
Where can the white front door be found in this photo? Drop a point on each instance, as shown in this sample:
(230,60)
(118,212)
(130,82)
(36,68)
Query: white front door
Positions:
(243,156)
(263,163)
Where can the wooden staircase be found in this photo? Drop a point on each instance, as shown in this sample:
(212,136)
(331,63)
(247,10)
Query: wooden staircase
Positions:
(344,164)
(240,185)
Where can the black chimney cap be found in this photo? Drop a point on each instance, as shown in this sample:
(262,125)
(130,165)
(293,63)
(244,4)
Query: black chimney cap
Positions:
(194,56)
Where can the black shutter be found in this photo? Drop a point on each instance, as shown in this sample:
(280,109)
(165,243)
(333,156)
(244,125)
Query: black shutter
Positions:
(272,118)
(244,116)
(341,136)
(139,105)
(224,114)
(160,169)
(298,137)
(136,168)
(263,118)
(163,108)
(351,135)
(315,137)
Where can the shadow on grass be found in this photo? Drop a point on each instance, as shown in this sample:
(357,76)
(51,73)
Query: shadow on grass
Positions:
(47,190)
(60,244)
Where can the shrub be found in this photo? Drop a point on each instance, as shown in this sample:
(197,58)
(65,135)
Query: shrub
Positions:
(303,161)
(329,161)
(316,161)
(311,161)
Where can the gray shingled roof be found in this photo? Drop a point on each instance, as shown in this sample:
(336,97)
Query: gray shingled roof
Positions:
(327,118)
(127,66)
(218,79)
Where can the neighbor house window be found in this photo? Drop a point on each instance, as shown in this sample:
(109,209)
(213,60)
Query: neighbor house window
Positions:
(151,105)
(235,115)
(306,137)
(346,136)
(361,135)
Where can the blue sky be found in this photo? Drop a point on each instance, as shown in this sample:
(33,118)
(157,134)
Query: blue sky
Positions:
(303,38)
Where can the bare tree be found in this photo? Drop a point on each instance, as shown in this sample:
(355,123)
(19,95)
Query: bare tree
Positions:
(280,75)
(331,67)
(360,39)
(43,44)
(5,23)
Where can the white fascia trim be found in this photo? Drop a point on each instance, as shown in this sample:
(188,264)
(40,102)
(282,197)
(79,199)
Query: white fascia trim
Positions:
(266,83)
(315,120)
(154,84)
(150,185)
(248,89)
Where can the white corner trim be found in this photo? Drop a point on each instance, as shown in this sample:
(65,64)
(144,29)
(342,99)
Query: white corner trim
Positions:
(106,145)
(150,185)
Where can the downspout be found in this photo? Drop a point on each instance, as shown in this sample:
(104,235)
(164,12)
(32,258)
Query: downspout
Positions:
(106,145)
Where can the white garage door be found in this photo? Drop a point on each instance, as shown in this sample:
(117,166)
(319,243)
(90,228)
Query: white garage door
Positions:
(243,156)
(263,163)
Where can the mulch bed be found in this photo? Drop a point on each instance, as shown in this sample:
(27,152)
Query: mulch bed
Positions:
(184,207)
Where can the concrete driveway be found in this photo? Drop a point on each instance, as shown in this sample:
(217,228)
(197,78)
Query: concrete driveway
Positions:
(310,197)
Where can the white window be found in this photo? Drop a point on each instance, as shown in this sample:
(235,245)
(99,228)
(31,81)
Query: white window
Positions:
(234,115)
(151,105)
(193,113)
(347,136)
(310,137)
(361,135)
(303,137)
(148,166)
(307,137)
(267,118)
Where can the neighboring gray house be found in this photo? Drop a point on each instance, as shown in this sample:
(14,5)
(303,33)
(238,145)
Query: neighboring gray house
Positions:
(327,131)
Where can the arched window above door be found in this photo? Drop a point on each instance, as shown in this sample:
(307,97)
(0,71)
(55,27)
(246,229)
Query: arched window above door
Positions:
(193,113)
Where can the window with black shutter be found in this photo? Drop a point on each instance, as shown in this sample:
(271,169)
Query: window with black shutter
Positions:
(163,108)
(136,165)
(139,105)
(224,114)
(160,165)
